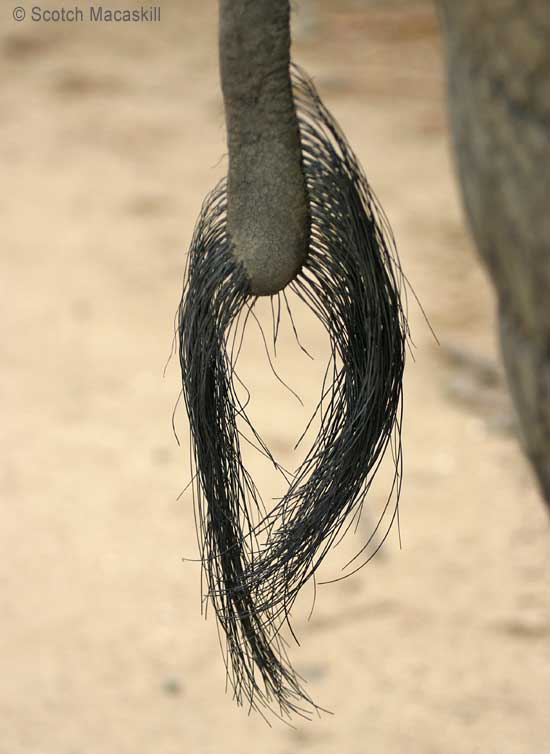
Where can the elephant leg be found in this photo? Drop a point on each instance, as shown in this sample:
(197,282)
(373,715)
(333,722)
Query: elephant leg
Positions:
(498,62)
(527,364)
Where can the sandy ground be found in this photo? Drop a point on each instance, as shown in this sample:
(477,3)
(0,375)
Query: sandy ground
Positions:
(110,138)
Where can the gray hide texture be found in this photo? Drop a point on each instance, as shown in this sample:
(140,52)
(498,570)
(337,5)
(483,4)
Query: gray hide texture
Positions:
(268,220)
(498,59)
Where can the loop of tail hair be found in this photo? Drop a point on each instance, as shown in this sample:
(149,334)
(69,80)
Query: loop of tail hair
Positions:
(352,281)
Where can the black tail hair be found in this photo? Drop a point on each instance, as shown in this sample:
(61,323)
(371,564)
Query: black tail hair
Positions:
(352,281)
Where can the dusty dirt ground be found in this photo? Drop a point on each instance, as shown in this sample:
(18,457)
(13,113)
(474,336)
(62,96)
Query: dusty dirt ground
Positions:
(110,138)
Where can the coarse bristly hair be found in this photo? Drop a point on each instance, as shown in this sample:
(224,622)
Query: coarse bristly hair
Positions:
(352,281)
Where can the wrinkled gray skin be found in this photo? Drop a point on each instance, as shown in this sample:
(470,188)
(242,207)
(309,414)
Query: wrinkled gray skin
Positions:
(267,217)
(498,58)
(498,62)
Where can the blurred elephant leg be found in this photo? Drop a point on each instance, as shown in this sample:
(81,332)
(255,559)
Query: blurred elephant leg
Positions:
(498,60)
(527,364)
